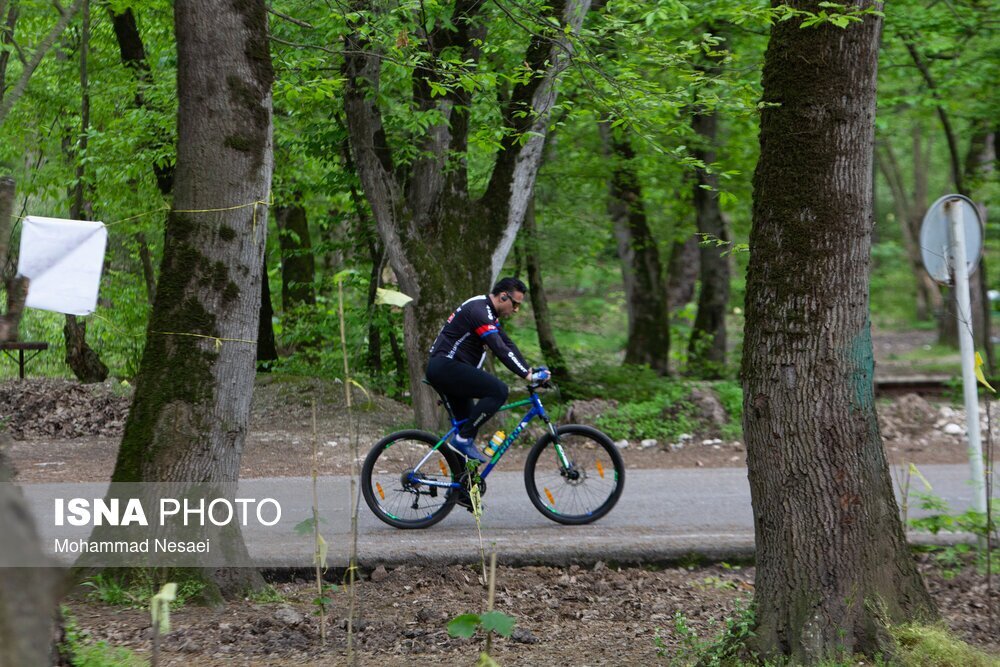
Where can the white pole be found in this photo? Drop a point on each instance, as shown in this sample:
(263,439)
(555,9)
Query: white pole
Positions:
(959,267)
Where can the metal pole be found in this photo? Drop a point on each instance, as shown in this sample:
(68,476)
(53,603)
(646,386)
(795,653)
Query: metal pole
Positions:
(959,267)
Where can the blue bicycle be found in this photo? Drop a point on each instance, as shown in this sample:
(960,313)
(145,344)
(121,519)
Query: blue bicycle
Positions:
(574,474)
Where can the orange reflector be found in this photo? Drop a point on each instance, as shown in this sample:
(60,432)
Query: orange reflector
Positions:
(600,469)
(444,471)
(548,494)
(381,493)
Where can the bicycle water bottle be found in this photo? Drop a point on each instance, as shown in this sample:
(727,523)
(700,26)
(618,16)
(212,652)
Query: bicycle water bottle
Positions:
(491,447)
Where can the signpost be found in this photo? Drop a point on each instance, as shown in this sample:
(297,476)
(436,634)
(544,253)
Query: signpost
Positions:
(951,242)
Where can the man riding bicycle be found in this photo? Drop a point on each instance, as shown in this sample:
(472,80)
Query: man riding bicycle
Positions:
(454,368)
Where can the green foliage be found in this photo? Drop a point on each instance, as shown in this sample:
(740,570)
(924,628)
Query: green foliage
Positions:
(466,625)
(267,595)
(322,601)
(84,652)
(664,417)
(135,591)
(650,406)
(727,645)
(950,559)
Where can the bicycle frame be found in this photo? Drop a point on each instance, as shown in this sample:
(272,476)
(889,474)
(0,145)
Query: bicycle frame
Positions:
(537,410)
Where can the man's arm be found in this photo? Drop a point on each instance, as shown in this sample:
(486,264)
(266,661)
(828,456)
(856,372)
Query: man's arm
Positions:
(503,347)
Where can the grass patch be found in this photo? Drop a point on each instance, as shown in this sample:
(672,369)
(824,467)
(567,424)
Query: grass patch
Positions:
(935,646)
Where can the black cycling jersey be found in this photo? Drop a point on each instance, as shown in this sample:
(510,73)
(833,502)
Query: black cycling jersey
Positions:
(470,330)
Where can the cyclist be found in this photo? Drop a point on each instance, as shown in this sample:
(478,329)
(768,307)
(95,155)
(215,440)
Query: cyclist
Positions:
(459,351)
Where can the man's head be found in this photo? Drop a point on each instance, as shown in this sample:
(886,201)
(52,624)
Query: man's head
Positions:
(507,295)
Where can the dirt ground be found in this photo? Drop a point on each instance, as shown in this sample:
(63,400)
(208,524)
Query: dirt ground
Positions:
(598,615)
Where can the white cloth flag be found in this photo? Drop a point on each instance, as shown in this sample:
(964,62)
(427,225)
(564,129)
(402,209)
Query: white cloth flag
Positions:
(63,259)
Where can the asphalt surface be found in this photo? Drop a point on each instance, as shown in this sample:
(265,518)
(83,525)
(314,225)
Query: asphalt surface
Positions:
(663,516)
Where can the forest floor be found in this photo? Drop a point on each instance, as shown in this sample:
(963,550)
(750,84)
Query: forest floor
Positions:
(598,615)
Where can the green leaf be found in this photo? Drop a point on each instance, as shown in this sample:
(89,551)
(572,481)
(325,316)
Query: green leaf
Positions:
(498,622)
(306,527)
(463,625)
(388,297)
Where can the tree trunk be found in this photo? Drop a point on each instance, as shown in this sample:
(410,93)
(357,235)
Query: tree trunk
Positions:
(298,269)
(28,595)
(85,363)
(133,56)
(188,419)
(833,566)
(645,291)
(148,272)
(267,349)
(682,273)
(17,287)
(7,39)
(707,346)
(539,301)
(80,357)
(423,211)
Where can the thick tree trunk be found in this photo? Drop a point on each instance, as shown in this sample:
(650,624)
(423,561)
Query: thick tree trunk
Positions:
(435,235)
(17,288)
(540,302)
(298,268)
(707,346)
(188,419)
(28,595)
(833,566)
(642,272)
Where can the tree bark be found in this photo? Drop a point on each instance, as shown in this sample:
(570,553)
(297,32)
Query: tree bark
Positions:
(642,273)
(28,595)
(539,300)
(298,268)
(707,346)
(833,566)
(17,287)
(188,419)
(424,211)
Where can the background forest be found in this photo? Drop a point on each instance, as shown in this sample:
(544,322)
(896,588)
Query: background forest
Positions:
(644,183)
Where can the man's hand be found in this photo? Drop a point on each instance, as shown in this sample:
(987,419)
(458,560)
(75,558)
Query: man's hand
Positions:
(541,374)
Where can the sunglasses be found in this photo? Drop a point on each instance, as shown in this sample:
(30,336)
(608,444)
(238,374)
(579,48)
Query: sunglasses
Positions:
(515,302)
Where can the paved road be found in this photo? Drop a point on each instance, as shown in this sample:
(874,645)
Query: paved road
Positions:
(662,515)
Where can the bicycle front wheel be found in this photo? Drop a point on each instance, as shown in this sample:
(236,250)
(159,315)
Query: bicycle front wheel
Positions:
(388,486)
(582,485)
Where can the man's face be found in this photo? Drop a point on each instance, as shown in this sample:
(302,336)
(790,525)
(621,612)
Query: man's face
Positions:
(512,304)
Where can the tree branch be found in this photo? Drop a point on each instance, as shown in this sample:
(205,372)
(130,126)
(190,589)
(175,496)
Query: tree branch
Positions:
(36,59)
(949,133)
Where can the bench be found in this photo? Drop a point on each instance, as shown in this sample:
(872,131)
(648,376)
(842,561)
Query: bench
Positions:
(8,347)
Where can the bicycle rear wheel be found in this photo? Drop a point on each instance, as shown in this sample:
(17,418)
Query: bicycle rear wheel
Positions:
(587,488)
(389,492)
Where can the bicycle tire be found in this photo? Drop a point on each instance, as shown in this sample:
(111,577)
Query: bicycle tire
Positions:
(395,502)
(588,491)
